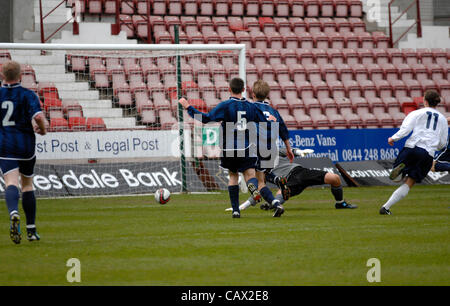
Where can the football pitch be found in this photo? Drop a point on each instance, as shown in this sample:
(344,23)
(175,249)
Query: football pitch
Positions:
(193,241)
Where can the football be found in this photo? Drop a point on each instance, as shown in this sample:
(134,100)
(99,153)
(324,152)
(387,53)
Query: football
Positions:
(162,196)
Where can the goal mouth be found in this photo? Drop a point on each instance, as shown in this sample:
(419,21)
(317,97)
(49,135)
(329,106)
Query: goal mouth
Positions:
(115,124)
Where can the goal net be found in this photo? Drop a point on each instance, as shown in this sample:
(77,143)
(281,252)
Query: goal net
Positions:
(115,121)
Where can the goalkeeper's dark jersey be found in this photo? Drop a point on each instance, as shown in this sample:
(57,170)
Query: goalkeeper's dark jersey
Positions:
(284,167)
(18,107)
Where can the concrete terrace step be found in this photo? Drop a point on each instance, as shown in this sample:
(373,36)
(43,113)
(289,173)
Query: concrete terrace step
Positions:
(95,104)
(49,69)
(78,95)
(42,60)
(102,112)
(79,86)
(60,78)
(116,123)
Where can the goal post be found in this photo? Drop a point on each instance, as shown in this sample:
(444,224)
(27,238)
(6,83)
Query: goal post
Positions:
(115,126)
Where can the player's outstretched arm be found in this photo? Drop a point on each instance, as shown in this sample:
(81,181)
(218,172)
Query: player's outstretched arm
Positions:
(289,153)
(41,124)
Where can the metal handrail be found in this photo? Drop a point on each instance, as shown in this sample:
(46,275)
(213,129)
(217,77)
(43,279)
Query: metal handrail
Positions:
(417,22)
(115,28)
(42,18)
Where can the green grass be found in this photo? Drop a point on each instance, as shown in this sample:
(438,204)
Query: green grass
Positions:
(193,241)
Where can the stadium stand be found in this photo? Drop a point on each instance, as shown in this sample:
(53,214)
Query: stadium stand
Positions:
(324,68)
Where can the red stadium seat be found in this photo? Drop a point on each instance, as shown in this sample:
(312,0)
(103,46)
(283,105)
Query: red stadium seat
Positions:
(222,7)
(304,121)
(351,40)
(306,90)
(336,40)
(400,89)
(305,56)
(327,8)
(305,40)
(321,90)
(360,72)
(365,56)
(351,56)
(374,72)
(298,73)
(345,72)
(420,72)
(313,25)
(237,7)
(282,24)
(352,88)
(428,85)
(59,124)
(298,25)
(343,25)
(335,56)
(329,72)
(252,7)
(206,7)
(435,71)
(313,72)
(341,7)
(381,40)
(405,72)
(77,123)
(337,89)
(395,55)
(390,72)
(414,88)
(109,7)
(439,56)
(444,87)
(380,56)
(321,40)
(283,8)
(368,88)
(384,89)
(95,124)
(275,40)
(288,56)
(312,8)
(328,25)
(298,8)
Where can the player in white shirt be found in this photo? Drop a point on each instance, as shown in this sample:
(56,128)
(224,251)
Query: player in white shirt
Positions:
(429,134)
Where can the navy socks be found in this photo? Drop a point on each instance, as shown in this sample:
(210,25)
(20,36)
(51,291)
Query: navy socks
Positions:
(29,206)
(12,199)
(234,197)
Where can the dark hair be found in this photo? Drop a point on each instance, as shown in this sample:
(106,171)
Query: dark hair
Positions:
(432,97)
(237,85)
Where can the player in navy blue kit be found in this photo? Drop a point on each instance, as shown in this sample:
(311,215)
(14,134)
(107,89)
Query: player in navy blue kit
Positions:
(429,134)
(267,146)
(239,138)
(21,117)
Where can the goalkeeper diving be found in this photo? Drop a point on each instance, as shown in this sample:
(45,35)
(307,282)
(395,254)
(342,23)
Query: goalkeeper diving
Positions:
(299,178)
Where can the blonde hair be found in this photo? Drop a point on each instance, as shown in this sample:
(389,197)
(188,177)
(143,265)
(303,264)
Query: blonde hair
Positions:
(261,90)
(11,71)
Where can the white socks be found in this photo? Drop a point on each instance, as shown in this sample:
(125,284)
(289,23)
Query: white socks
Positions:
(398,194)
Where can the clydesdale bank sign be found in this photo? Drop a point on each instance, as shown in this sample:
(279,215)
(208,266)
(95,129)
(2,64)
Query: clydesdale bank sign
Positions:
(105,179)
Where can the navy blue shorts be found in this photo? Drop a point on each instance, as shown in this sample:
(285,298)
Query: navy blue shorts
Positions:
(417,163)
(26,167)
(238,164)
(444,156)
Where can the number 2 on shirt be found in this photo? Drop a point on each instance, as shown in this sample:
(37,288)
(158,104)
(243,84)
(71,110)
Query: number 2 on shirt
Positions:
(9,106)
